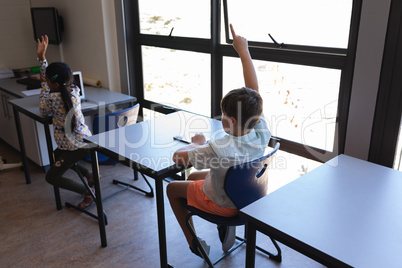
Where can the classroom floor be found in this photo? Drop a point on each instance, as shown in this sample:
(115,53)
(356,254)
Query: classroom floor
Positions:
(35,234)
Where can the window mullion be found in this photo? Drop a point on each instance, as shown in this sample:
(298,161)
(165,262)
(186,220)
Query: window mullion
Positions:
(335,61)
(134,57)
(182,43)
(216,58)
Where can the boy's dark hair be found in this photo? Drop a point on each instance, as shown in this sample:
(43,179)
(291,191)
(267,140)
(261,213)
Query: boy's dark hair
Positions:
(61,73)
(245,105)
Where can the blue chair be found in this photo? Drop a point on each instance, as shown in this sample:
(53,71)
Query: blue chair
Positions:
(103,123)
(106,122)
(244,184)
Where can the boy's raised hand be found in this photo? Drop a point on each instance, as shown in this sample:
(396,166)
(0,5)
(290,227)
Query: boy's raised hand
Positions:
(240,43)
(42,47)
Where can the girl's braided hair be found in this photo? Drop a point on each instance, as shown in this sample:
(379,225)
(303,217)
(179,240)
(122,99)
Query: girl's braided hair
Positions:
(60,72)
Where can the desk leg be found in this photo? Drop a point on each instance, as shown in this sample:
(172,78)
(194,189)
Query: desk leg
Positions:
(99,205)
(250,245)
(161,222)
(22,146)
(50,153)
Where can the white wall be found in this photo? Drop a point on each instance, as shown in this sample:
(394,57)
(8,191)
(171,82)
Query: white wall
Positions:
(17,46)
(89,40)
(370,49)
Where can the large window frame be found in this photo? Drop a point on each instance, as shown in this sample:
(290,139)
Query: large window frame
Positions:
(341,59)
(388,112)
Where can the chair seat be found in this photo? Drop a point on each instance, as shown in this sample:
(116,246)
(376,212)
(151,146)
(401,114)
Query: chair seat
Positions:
(228,221)
(244,183)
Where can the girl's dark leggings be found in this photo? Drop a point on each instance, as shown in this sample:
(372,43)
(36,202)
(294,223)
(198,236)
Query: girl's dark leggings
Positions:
(64,160)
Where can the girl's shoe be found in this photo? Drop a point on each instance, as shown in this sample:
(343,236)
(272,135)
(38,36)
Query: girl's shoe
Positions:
(88,200)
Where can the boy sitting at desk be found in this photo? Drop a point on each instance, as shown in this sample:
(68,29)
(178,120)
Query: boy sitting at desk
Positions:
(246,139)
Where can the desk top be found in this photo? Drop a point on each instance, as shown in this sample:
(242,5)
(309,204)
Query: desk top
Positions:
(11,86)
(101,99)
(347,208)
(150,144)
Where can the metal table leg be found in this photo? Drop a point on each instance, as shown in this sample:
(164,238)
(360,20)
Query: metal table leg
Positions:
(50,153)
(22,145)
(251,234)
(160,207)
(99,205)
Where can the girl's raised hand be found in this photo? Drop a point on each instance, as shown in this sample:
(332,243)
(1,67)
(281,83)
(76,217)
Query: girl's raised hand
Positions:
(42,47)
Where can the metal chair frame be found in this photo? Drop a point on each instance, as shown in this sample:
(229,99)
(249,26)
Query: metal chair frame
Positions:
(259,168)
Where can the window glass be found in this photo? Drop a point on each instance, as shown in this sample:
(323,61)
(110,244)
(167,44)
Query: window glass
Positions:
(189,18)
(323,23)
(149,114)
(177,78)
(300,102)
(286,167)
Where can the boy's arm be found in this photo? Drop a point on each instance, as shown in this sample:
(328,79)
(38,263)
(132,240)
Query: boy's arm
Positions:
(181,155)
(240,44)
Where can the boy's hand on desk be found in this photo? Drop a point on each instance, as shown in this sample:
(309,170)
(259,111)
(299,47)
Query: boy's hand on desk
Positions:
(42,47)
(198,138)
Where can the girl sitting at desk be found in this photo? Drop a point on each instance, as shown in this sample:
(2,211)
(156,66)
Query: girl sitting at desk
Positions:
(60,98)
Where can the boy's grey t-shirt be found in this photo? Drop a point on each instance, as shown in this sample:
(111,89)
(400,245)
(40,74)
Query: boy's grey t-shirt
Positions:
(220,154)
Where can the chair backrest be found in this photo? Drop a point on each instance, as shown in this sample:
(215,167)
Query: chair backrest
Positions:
(248,182)
(115,120)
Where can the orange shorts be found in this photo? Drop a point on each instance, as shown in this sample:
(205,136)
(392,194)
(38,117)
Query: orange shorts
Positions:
(196,198)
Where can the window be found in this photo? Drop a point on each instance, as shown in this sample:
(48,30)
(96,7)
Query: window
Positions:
(290,93)
(310,23)
(160,17)
(305,83)
(185,86)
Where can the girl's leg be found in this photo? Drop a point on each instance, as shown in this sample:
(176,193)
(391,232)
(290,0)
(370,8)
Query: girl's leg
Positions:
(65,160)
(175,191)
(87,174)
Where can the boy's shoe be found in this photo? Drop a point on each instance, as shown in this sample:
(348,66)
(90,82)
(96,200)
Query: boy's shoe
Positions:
(227,235)
(88,200)
(194,248)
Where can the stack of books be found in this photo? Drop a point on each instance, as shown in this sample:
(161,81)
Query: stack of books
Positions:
(6,73)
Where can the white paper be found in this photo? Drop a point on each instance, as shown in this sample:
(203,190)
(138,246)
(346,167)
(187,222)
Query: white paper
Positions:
(32,92)
(6,73)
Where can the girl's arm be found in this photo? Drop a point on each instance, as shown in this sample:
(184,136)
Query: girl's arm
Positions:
(44,107)
(41,52)
(240,44)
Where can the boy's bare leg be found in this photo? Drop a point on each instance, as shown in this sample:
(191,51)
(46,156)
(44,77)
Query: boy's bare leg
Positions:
(175,191)
(197,175)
